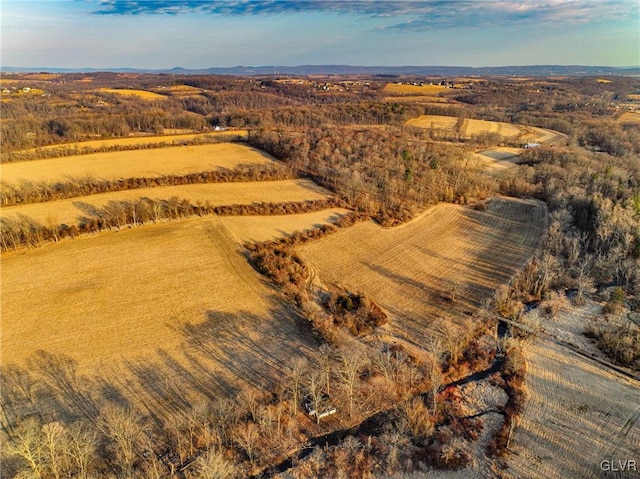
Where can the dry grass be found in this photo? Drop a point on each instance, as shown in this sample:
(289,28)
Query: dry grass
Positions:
(162,313)
(395,89)
(71,211)
(168,138)
(144,94)
(630,118)
(423,99)
(578,414)
(253,229)
(136,163)
(410,270)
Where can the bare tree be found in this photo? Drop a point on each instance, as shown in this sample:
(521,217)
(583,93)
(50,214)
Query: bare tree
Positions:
(213,465)
(351,365)
(295,377)
(55,441)
(127,431)
(81,448)
(326,362)
(26,443)
(247,436)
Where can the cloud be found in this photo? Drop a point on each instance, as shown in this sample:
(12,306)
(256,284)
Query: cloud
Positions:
(413,14)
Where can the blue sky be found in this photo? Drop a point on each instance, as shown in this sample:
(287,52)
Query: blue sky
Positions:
(219,33)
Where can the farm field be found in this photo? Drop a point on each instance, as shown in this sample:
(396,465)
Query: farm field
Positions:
(71,211)
(499,158)
(578,414)
(469,126)
(144,94)
(252,229)
(157,312)
(630,118)
(138,141)
(410,270)
(396,89)
(136,163)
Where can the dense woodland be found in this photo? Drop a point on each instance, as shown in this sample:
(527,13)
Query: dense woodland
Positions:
(352,142)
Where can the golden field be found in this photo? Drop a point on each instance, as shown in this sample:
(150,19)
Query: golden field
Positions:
(168,139)
(144,94)
(254,229)
(630,118)
(396,89)
(73,210)
(410,270)
(578,414)
(152,311)
(176,160)
(468,127)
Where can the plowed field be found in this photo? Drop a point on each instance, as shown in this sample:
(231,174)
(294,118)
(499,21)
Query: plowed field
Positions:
(410,270)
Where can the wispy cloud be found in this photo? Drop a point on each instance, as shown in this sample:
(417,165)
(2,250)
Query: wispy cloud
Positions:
(411,14)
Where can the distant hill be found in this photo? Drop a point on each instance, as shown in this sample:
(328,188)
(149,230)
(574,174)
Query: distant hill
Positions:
(531,70)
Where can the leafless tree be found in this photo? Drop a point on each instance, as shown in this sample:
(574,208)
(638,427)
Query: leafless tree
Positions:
(127,432)
(352,362)
(295,378)
(27,444)
(247,436)
(81,448)
(213,465)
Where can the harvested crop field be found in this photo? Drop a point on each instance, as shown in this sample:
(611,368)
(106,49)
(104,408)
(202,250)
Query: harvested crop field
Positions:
(169,140)
(144,94)
(468,127)
(630,118)
(399,89)
(72,211)
(578,414)
(161,313)
(252,229)
(499,158)
(136,163)
(410,270)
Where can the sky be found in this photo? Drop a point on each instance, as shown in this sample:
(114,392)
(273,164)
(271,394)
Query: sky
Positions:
(157,34)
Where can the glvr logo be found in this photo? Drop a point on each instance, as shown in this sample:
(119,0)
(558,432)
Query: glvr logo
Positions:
(618,465)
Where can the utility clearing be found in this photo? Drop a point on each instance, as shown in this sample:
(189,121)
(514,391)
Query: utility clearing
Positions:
(162,314)
(439,267)
(176,160)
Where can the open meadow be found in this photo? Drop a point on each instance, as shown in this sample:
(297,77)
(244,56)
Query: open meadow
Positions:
(76,210)
(175,160)
(160,315)
(142,94)
(411,270)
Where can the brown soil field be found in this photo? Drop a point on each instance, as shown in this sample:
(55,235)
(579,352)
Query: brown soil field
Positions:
(395,89)
(135,163)
(144,94)
(158,315)
(409,270)
(71,211)
(168,138)
(578,414)
(253,229)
